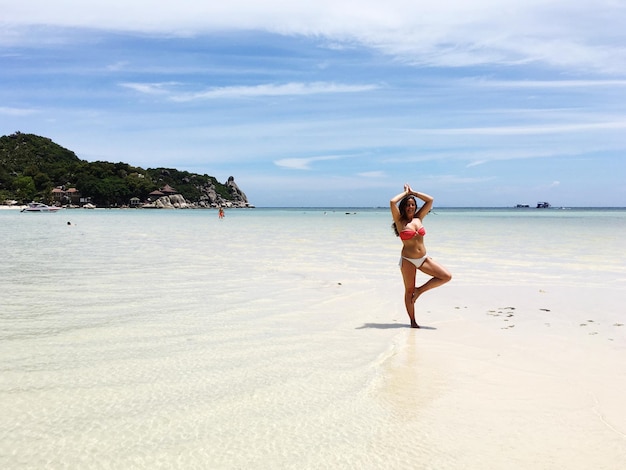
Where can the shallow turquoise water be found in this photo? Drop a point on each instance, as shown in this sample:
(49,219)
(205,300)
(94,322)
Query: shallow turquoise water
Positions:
(172,339)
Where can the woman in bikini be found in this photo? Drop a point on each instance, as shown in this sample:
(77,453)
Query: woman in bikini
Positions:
(407,224)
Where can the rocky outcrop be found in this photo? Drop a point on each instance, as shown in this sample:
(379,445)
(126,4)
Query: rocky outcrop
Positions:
(209,198)
(237,194)
(174,201)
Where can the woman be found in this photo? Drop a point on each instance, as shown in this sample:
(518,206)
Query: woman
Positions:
(407,223)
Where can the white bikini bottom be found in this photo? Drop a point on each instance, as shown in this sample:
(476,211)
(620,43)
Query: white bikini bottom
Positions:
(416,261)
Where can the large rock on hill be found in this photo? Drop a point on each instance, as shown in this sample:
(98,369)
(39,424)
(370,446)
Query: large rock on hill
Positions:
(237,194)
(211,198)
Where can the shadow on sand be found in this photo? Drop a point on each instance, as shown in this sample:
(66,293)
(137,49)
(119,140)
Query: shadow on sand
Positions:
(388,326)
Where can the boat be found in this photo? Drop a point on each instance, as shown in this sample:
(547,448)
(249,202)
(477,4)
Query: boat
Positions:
(521,206)
(39,207)
(543,205)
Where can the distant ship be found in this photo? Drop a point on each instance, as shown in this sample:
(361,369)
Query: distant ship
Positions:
(543,205)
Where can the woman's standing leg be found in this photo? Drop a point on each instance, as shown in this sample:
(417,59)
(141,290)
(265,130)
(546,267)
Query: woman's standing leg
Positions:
(408,270)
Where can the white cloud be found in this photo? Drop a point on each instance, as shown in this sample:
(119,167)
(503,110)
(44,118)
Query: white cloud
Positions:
(476,163)
(524,130)
(287,89)
(447,180)
(9,111)
(547,84)
(117,66)
(507,153)
(303,163)
(372,174)
(149,88)
(263,90)
(585,35)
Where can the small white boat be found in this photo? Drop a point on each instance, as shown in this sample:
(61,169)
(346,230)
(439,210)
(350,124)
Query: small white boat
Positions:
(39,207)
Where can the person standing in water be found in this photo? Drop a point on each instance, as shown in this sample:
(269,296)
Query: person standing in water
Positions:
(407,224)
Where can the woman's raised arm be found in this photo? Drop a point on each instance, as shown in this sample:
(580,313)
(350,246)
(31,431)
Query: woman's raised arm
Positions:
(393,203)
(426,207)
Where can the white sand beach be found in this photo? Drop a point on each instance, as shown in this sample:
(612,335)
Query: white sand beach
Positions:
(516,378)
(168,340)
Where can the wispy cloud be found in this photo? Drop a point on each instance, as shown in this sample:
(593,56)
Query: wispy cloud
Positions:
(169,89)
(447,180)
(304,163)
(263,90)
(120,65)
(545,84)
(372,174)
(150,88)
(9,111)
(476,163)
(523,130)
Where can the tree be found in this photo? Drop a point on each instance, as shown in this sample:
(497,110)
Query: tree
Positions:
(24,187)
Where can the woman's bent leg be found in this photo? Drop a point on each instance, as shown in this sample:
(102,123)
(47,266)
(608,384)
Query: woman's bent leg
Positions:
(440,276)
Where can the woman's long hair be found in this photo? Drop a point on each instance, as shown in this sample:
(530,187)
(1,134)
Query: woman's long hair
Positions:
(402,209)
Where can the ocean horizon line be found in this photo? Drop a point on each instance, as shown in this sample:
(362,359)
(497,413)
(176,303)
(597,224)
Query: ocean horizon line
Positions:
(442,207)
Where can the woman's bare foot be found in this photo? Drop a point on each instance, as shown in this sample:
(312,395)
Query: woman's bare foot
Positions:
(416,294)
(414,324)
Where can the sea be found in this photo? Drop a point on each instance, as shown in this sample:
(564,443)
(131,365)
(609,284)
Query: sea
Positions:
(137,338)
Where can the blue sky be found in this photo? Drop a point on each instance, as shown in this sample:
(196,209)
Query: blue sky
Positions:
(333,102)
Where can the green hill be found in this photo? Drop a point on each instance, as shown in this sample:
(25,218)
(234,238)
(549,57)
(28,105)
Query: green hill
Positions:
(32,166)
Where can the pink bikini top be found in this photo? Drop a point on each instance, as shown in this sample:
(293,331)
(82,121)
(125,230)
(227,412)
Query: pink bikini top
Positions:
(408,233)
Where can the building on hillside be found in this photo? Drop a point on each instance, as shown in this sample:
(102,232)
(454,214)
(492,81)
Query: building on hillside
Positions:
(166,190)
(71,196)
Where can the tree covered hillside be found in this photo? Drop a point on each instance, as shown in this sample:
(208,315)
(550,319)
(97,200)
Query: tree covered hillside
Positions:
(31,166)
